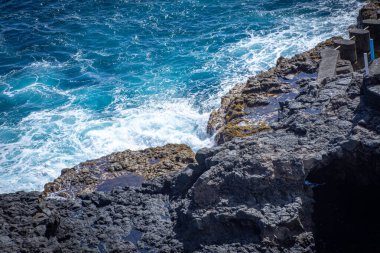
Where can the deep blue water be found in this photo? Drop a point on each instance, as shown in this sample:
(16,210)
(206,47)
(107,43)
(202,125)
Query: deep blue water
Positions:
(81,79)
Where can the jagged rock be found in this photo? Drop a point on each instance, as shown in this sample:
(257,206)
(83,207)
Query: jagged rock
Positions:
(127,167)
(310,184)
(368,11)
(247,195)
(257,92)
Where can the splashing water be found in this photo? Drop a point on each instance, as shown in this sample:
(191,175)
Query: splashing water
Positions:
(79,80)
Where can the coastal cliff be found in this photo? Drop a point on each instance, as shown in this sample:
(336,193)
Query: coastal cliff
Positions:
(296,169)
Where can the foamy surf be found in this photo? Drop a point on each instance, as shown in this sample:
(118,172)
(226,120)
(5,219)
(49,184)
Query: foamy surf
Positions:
(65,138)
(91,101)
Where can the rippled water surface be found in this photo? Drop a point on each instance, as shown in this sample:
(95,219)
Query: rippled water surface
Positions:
(81,79)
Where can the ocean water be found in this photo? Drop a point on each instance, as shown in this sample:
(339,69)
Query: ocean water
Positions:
(81,79)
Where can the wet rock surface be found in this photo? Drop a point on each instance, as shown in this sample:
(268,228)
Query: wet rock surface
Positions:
(309,184)
(127,168)
(278,191)
(250,107)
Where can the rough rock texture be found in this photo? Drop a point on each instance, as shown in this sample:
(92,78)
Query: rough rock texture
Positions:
(144,164)
(372,90)
(247,195)
(121,221)
(248,108)
(310,184)
(368,12)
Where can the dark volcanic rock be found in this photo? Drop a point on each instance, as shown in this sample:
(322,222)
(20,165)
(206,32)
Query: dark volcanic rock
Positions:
(279,191)
(369,11)
(120,169)
(124,220)
(253,192)
(310,184)
(238,113)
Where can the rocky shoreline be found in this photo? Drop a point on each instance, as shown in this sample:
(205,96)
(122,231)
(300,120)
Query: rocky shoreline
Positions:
(127,168)
(249,107)
(296,169)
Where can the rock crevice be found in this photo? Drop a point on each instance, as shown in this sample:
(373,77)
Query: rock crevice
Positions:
(307,184)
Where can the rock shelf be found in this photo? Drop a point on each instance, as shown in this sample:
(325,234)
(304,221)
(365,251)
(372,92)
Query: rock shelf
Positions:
(304,181)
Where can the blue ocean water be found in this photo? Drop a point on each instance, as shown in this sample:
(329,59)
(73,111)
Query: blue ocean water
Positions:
(81,79)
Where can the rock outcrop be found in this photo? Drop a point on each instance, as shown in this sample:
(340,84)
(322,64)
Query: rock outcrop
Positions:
(309,184)
(250,107)
(257,193)
(120,169)
(368,11)
(278,191)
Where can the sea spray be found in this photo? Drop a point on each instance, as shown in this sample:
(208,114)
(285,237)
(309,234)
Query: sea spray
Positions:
(81,80)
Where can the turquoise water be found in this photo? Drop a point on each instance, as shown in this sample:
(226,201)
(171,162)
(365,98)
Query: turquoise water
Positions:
(81,79)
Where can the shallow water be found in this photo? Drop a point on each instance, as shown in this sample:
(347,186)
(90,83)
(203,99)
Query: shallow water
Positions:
(130,180)
(81,79)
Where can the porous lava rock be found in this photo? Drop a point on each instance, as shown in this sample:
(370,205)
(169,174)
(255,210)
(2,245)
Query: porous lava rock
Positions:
(264,193)
(237,114)
(310,184)
(148,164)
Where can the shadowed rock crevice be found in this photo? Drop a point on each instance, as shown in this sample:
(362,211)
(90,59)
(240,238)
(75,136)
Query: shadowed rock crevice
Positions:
(218,229)
(246,195)
(51,228)
(346,192)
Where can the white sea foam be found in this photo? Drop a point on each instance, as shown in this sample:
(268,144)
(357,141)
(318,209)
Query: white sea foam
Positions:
(56,139)
(49,140)
(294,34)
(36,88)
